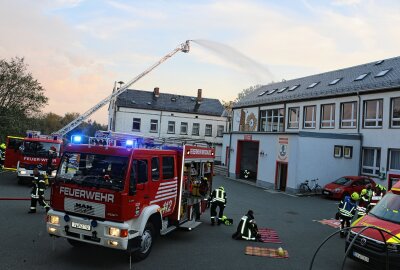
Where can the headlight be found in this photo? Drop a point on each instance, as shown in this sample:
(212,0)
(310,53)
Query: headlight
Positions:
(113,231)
(22,171)
(337,190)
(53,173)
(53,219)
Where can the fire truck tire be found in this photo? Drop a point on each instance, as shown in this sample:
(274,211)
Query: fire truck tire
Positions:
(146,244)
(75,243)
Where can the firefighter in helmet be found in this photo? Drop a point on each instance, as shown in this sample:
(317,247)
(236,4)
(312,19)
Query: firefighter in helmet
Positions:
(2,154)
(247,228)
(363,203)
(218,199)
(37,193)
(346,210)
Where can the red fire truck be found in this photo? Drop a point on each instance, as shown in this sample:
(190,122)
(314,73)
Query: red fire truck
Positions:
(24,154)
(122,193)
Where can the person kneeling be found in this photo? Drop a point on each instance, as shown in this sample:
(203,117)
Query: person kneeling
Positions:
(247,228)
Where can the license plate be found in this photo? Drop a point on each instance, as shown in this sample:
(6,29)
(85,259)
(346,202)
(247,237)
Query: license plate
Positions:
(326,192)
(361,257)
(81,226)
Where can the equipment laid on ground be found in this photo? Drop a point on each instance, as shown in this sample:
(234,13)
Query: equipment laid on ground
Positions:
(120,191)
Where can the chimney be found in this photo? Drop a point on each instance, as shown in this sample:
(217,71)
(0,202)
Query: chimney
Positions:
(199,98)
(156,92)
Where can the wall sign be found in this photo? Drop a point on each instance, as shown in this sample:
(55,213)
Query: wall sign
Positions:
(283,147)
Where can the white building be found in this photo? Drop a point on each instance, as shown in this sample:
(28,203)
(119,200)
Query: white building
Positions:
(343,122)
(159,115)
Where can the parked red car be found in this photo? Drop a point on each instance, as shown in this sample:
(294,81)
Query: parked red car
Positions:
(346,185)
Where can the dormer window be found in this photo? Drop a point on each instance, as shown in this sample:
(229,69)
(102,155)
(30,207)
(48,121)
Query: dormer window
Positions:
(313,85)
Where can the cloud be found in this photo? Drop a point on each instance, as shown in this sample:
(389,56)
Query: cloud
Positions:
(346,2)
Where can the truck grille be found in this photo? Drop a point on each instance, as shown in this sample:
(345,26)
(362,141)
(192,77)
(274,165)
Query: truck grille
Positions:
(84,207)
(367,243)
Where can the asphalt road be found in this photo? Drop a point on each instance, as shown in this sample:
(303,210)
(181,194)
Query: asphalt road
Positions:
(26,245)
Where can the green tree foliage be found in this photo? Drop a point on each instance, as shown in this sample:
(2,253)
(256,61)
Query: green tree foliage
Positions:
(246,92)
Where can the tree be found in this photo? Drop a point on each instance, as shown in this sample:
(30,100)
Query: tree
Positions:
(21,98)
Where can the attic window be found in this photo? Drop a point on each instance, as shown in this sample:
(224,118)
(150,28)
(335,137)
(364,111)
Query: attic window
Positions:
(173,99)
(133,102)
(283,89)
(192,98)
(262,93)
(293,87)
(149,103)
(361,77)
(335,81)
(379,62)
(383,73)
(272,91)
(313,84)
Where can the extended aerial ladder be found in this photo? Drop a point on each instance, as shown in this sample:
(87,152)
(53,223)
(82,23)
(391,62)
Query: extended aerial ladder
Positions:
(184,47)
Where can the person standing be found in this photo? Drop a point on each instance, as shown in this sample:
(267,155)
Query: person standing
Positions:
(363,204)
(37,193)
(347,209)
(247,228)
(218,199)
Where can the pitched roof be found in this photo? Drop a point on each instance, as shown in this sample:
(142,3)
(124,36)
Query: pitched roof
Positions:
(326,86)
(141,99)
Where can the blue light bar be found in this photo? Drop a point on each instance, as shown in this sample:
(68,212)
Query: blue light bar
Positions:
(129,143)
(76,138)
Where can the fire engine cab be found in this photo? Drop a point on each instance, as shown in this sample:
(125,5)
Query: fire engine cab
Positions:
(122,191)
(23,154)
(376,248)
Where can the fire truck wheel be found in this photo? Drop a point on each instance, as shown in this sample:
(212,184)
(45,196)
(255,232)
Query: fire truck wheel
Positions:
(146,243)
(76,244)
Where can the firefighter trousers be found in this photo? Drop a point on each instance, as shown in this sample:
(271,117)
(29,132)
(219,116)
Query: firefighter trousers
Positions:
(41,201)
(214,206)
(344,223)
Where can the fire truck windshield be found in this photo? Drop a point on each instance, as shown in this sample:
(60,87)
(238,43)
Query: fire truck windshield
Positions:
(388,208)
(93,170)
(38,149)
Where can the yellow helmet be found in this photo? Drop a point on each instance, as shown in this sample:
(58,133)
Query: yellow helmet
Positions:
(363,192)
(3,146)
(355,196)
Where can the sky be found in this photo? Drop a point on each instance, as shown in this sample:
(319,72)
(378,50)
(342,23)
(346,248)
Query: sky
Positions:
(78,49)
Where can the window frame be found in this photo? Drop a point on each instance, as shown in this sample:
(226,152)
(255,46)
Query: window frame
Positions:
(171,124)
(186,125)
(332,117)
(295,122)
(354,113)
(274,120)
(314,116)
(350,154)
(208,130)
(390,150)
(379,109)
(220,130)
(338,151)
(375,167)
(163,177)
(136,121)
(197,125)
(152,123)
(152,169)
(392,119)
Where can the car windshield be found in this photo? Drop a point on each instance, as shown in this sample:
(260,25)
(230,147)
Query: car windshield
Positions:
(388,208)
(343,181)
(38,149)
(93,170)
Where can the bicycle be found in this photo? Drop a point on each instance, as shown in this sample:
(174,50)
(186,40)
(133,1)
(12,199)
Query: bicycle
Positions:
(306,188)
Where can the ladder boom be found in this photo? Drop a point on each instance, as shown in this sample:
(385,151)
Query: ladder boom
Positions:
(184,47)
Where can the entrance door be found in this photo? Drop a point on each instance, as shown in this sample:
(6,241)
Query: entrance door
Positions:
(281,176)
(247,159)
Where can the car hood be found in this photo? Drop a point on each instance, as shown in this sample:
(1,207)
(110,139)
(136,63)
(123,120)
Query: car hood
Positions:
(388,226)
(333,186)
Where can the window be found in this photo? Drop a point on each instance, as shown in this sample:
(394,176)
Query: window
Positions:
(335,81)
(168,167)
(395,113)
(371,161)
(283,89)
(139,171)
(348,115)
(208,131)
(338,151)
(294,114)
(361,77)
(383,72)
(348,151)
(309,117)
(313,85)
(394,159)
(262,93)
(272,120)
(196,129)
(220,130)
(184,128)
(171,127)
(293,87)
(379,62)
(153,125)
(155,168)
(328,116)
(136,124)
(373,113)
(272,91)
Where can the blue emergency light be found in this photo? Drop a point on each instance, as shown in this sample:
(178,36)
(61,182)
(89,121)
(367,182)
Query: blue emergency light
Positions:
(129,143)
(76,138)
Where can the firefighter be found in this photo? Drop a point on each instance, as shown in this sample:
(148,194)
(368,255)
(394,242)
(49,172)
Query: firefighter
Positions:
(247,228)
(37,193)
(2,154)
(347,209)
(363,204)
(377,195)
(380,188)
(218,199)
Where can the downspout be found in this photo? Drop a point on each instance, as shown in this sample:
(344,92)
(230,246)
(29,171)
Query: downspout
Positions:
(159,129)
(358,132)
